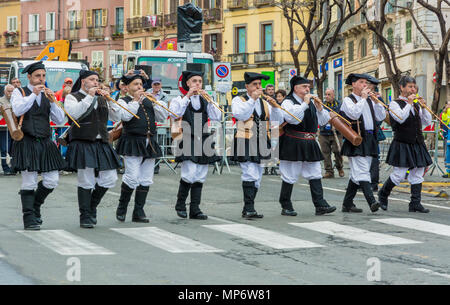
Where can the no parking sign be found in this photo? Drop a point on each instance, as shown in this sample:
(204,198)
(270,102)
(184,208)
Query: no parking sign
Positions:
(222,72)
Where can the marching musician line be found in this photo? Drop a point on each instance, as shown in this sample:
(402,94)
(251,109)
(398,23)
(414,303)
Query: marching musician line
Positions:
(91,154)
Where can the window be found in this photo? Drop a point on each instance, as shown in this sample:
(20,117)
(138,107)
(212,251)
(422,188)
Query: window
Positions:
(390,36)
(97,18)
(214,42)
(240,39)
(154,7)
(119,20)
(72,20)
(136,11)
(352,5)
(363,48)
(137,45)
(266,35)
(408,31)
(374,42)
(50,27)
(338,85)
(155,43)
(97,58)
(12,23)
(350,51)
(33,28)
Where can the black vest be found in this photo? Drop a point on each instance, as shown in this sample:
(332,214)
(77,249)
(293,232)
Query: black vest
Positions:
(361,118)
(143,126)
(36,121)
(94,124)
(190,112)
(411,130)
(310,121)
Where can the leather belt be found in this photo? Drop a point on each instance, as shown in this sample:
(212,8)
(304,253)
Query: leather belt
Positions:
(300,135)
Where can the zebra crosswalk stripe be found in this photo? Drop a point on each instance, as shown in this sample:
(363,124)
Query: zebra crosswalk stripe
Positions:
(166,240)
(416,224)
(264,237)
(352,233)
(65,243)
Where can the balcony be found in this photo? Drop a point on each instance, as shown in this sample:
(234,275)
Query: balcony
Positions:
(96,33)
(134,24)
(72,34)
(259,3)
(33,37)
(212,15)
(11,41)
(264,57)
(149,22)
(170,19)
(238,59)
(50,35)
(237,4)
(117,31)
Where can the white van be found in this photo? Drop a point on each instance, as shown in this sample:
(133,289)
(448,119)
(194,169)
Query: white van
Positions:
(57,71)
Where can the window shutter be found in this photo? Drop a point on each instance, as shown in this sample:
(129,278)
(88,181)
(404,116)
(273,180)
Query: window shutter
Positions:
(207,41)
(218,3)
(104,17)
(89,18)
(206,4)
(79,21)
(219,43)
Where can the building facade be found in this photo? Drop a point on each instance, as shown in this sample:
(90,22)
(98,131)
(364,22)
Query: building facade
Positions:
(10,31)
(150,22)
(93,27)
(256,39)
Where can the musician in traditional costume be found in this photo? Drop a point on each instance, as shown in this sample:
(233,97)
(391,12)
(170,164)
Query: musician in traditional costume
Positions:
(36,153)
(194,111)
(89,151)
(139,147)
(407,150)
(299,150)
(252,137)
(363,113)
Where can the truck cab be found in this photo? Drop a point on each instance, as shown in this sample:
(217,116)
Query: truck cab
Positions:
(57,71)
(166,65)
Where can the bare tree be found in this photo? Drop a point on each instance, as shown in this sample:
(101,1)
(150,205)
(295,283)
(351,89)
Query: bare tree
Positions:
(386,47)
(441,53)
(314,18)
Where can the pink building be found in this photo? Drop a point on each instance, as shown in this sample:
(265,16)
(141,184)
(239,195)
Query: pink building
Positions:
(94,27)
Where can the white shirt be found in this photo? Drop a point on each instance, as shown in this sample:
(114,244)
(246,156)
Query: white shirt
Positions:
(21,105)
(404,113)
(242,111)
(323,116)
(354,111)
(179,104)
(77,109)
(160,113)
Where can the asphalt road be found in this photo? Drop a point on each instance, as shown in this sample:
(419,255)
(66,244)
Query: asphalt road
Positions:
(226,249)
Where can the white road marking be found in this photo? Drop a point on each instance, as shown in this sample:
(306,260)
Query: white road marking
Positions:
(65,243)
(1,255)
(419,225)
(220,219)
(352,233)
(447,276)
(166,240)
(263,237)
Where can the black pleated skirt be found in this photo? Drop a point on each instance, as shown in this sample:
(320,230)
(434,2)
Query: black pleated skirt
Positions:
(293,149)
(408,155)
(36,155)
(245,153)
(85,154)
(368,147)
(136,147)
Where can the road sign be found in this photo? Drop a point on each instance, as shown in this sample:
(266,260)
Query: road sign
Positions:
(222,72)
(235,91)
(292,73)
(180,87)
